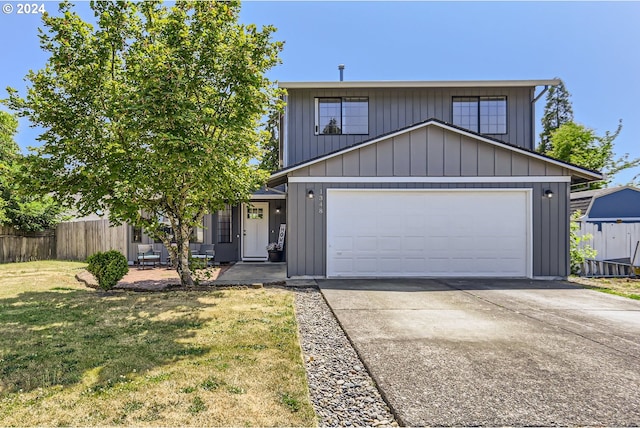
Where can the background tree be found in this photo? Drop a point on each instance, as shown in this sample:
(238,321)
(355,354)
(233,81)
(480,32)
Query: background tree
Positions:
(557,111)
(153,115)
(332,127)
(581,146)
(19,207)
(271,157)
(9,151)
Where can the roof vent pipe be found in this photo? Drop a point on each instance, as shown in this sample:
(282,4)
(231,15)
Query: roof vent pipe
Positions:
(341,68)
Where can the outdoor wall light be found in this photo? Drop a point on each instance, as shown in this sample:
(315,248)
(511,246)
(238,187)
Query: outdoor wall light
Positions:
(277,210)
(548,193)
(310,194)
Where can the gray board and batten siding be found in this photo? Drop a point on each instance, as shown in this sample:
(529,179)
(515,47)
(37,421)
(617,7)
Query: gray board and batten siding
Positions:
(391,109)
(429,151)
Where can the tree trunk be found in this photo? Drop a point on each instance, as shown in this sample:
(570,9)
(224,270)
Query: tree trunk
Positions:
(182,256)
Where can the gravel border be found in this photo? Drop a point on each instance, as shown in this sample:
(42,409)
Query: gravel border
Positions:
(341,390)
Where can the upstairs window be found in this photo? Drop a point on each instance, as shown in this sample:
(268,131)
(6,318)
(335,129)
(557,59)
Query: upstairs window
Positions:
(487,115)
(342,116)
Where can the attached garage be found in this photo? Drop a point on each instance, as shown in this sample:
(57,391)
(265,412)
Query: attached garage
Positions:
(430,200)
(395,233)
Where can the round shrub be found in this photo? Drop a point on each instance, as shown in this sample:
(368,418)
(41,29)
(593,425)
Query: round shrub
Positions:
(108,268)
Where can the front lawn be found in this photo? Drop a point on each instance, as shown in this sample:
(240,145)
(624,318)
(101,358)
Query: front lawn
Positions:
(626,287)
(70,355)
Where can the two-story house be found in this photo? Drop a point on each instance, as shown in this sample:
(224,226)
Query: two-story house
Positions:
(422,179)
(418,179)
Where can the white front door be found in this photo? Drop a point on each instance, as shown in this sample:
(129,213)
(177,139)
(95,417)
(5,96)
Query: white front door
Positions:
(255,230)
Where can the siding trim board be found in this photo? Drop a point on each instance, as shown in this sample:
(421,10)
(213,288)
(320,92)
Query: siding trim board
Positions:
(491,179)
(258,197)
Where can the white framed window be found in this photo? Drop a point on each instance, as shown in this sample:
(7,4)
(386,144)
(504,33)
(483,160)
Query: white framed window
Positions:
(254,213)
(487,115)
(342,116)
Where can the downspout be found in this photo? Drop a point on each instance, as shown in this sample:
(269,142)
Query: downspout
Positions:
(546,88)
(533,114)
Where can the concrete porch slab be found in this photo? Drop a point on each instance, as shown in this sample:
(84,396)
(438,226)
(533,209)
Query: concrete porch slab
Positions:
(248,273)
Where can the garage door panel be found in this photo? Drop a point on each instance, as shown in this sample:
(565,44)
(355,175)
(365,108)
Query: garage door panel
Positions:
(343,243)
(390,243)
(366,244)
(413,244)
(365,264)
(428,233)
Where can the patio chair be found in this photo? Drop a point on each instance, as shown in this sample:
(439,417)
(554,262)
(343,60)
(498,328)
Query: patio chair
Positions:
(146,253)
(206,252)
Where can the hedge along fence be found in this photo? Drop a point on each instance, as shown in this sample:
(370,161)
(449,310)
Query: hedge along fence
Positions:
(17,246)
(69,241)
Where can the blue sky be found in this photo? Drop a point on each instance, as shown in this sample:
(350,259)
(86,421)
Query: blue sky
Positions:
(592,46)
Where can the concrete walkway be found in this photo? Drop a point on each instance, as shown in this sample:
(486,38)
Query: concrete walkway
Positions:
(244,273)
(265,273)
(495,352)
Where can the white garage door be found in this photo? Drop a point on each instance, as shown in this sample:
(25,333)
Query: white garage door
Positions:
(377,233)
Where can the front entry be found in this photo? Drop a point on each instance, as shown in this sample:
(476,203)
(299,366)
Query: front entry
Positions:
(255,230)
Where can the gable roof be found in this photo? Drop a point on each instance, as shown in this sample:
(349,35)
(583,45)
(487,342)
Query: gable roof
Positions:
(583,174)
(600,192)
(584,200)
(420,84)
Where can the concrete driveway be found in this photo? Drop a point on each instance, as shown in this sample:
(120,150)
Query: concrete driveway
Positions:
(495,352)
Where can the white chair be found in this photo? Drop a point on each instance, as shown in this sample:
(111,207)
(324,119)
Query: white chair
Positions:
(146,253)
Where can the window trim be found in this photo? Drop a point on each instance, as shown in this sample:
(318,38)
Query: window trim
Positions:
(342,100)
(479,98)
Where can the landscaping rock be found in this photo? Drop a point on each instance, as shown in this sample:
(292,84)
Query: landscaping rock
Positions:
(342,392)
(87,278)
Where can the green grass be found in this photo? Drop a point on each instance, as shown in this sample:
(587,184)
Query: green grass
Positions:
(625,287)
(616,293)
(70,355)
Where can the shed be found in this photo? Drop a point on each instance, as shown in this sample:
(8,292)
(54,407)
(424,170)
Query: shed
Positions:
(617,204)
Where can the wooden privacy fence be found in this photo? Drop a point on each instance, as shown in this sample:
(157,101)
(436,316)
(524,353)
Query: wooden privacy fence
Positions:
(78,240)
(17,246)
(69,241)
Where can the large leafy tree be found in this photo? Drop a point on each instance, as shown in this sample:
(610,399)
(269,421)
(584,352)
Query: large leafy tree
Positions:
(19,206)
(153,114)
(579,145)
(557,111)
(8,153)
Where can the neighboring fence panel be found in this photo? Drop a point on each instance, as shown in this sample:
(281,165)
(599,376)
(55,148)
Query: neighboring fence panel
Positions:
(78,240)
(16,246)
(613,240)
